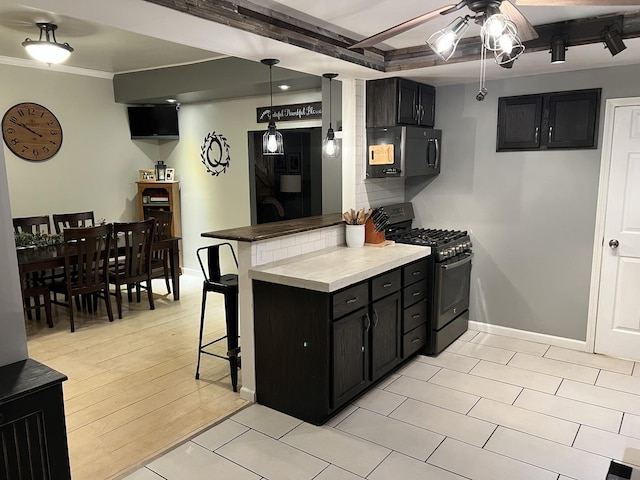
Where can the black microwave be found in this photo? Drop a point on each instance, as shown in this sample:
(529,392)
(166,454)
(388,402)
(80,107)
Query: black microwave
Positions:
(403,151)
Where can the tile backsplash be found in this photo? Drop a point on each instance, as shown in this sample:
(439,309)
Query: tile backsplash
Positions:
(267,251)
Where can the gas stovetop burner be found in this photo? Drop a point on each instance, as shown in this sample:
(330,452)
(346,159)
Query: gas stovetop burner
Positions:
(431,237)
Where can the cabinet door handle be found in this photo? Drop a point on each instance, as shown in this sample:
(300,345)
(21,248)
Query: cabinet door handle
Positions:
(352,300)
(437,153)
(387,285)
(416,340)
(536,134)
(375,317)
(416,315)
(416,273)
(550,134)
(417,294)
(367,322)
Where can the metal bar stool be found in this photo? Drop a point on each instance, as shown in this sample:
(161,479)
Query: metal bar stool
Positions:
(227,285)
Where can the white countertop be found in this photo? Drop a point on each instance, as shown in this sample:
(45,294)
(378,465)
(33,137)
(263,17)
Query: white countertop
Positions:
(334,268)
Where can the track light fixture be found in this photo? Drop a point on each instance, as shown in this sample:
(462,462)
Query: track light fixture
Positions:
(613,40)
(272,141)
(558,49)
(47,50)
(445,41)
(330,145)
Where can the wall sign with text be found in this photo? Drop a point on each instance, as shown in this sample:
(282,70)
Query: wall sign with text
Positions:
(284,113)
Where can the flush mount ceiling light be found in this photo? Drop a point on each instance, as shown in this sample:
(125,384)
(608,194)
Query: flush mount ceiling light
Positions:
(558,49)
(47,50)
(330,145)
(272,141)
(613,41)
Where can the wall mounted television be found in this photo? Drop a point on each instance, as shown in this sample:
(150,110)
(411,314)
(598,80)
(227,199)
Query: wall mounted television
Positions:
(159,122)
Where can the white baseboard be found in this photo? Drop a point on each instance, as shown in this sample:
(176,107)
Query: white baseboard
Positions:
(569,343)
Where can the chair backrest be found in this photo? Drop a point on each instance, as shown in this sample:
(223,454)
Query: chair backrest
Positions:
(61,221)
(39,224)
(132,244)
(87,251)
(212,271)
(163,221)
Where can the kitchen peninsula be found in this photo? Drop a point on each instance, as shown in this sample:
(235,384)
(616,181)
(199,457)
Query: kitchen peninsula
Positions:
(308,255)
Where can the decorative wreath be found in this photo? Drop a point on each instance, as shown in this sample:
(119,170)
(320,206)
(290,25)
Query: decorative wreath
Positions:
(215,153)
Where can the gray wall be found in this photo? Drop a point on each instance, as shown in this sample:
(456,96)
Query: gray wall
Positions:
(531,214)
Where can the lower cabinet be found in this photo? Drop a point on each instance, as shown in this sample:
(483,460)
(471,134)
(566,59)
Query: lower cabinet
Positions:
(33,436)
(317,351)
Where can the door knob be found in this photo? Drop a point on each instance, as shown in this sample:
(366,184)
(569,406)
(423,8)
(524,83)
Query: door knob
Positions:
(614,243)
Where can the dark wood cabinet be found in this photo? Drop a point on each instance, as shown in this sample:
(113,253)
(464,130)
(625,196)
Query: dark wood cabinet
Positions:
(317,351)
(549,121)
(33,436)
(398,101)
(385,335)
(350,352)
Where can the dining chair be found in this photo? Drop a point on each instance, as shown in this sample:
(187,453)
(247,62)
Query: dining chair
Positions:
(38,224)
(67,220)
(131,261)
(86,264)
(227,285)
(34,285)
(160,258)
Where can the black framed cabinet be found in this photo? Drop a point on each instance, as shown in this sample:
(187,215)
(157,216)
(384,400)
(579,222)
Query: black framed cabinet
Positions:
(558,120)
(316,351)
(398,101)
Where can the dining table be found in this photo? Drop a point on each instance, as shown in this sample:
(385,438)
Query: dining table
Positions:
(37,259)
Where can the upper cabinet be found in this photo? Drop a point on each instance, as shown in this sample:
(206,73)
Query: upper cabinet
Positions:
(397,101)
(549,120)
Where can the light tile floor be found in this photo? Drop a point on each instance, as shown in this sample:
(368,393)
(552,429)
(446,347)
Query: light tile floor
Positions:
(488,408)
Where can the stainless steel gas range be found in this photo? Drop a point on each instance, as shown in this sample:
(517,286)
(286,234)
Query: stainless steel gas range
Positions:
(449,276)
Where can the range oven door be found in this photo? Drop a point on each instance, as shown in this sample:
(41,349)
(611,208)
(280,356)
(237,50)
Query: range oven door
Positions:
(452,284)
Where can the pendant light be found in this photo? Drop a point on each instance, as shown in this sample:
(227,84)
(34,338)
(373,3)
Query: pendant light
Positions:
(47,50)
(330,145)
(272,142)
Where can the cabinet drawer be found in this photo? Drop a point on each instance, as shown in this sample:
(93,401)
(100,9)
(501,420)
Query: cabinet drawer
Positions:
(385,284)
(414,316)
(414,340)
(414,272)
(350,299)
(413,294)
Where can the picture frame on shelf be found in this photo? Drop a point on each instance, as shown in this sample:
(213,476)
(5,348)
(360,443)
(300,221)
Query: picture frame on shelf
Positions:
(147,175)
(293,163)
(170,175)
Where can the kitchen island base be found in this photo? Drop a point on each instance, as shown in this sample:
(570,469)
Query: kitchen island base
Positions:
(317,351)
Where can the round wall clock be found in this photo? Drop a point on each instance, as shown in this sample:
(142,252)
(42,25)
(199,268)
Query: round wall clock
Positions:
(31,131)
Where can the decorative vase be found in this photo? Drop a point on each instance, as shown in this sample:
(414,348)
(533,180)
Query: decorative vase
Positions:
(354,235)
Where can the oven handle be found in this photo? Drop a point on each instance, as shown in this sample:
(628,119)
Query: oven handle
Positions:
(450,266)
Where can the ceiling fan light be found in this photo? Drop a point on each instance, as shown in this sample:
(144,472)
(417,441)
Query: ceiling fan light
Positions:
(505,59)
(613,41)
(444,42)
(47,50)
(495,24)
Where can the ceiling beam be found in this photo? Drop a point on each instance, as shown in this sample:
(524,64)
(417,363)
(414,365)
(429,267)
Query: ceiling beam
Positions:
(252,18)
(576,32)
(266,22)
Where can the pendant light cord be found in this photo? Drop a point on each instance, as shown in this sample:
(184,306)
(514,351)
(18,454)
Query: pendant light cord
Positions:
(330,102)
(270,93)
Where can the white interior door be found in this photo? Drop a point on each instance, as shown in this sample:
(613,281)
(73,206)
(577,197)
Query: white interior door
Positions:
(618,317)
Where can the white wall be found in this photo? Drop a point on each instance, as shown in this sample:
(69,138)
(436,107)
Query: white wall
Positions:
(219,202)
(97,166)
(531,214)
(13,340)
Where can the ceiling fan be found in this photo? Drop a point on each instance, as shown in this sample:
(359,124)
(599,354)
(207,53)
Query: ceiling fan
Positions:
(482,10)
(503,29)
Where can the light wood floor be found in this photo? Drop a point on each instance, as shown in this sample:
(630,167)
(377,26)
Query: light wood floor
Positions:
(131,392)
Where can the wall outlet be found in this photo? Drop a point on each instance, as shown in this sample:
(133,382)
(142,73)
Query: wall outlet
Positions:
(261,253)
